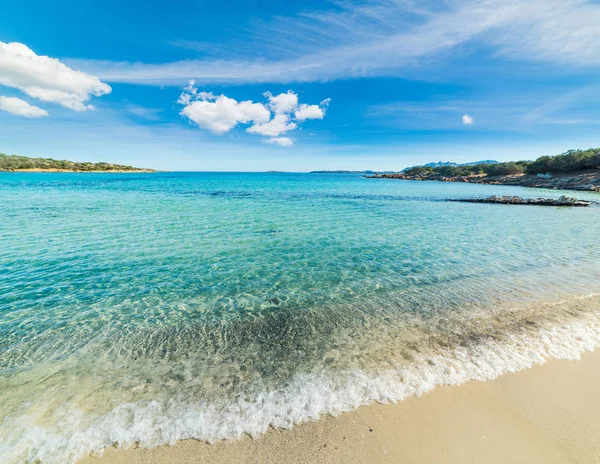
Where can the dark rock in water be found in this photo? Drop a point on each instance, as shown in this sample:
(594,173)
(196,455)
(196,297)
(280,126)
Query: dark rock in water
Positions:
(274,300)
(506,200)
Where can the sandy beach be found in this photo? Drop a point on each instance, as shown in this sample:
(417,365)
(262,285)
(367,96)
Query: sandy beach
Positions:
(546,414)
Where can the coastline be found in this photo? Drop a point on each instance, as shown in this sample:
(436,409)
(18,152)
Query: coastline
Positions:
(547,414)
(115,171)
(587,181)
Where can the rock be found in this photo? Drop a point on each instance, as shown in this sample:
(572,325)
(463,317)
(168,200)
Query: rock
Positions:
(507,200)
(588,180)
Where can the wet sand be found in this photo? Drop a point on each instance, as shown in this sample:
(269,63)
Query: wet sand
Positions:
(546,414)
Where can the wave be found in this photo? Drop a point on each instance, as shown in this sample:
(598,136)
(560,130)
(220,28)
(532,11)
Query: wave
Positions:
(386,362)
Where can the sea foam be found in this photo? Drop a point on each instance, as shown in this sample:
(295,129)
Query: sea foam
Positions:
(562,330)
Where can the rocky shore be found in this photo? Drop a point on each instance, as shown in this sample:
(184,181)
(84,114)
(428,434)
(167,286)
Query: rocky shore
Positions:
(508,200)
(588,180)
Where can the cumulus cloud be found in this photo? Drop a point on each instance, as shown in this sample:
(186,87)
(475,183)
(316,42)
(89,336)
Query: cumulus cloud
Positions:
(278,125)
(184,99)
(467,120)
(309,112)
(21,107)
(282,103)
(47,79)
(281,141)
(219,114)
(224,113)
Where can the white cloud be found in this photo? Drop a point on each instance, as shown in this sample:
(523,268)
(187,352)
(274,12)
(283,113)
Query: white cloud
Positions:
(387,37)
(184,99)
(220,114)
(46,78)
(189,92)
(282,103)
(467,120)
(224,113)
(278,125)
(21,107)
(309,112)
(281,141)
(207,96)
(151,114)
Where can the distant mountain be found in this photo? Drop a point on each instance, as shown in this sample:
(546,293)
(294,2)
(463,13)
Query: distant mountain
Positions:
(450,163)
(474,163)
(440,164)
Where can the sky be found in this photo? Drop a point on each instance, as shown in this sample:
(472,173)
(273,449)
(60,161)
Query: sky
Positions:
(255,85)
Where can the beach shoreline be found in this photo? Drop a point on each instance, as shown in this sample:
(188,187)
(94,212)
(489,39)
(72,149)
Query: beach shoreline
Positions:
(549,413)
(210,306)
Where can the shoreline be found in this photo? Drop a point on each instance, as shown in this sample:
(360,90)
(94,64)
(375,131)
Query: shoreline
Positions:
(585,181)
(115,171)
(548,413)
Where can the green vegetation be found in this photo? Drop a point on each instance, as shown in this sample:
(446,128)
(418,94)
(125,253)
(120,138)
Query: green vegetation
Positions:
(18,163)
(571,161)
(499,169)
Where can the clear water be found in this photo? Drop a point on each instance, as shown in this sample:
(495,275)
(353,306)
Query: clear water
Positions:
(147,308)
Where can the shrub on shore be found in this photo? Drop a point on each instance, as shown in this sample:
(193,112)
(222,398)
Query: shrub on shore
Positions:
(500,169)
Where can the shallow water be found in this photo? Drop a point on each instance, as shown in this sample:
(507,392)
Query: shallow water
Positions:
(154,307)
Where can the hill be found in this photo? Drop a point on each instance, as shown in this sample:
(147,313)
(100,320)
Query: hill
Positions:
(574,169)
(22,163)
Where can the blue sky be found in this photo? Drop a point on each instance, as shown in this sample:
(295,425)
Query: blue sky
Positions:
(310,85)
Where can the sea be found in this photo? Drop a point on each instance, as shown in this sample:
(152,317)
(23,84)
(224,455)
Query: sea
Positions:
(142,309)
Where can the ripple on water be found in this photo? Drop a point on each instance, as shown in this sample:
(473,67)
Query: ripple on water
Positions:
(154,308)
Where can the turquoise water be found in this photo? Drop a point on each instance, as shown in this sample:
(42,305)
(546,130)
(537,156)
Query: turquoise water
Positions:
(147,308)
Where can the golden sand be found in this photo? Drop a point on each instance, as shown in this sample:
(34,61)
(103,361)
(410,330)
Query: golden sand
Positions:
(547,414)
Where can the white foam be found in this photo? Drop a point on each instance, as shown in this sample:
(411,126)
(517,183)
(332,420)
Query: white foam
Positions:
(305,398)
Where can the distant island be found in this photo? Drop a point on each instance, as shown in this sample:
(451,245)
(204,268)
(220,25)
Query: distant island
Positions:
(572,170)
(13,163)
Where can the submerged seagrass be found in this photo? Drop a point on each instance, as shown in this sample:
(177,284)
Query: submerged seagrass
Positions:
(151,308)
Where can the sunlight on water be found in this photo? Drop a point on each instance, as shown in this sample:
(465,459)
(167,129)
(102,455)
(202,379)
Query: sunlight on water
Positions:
(150,308)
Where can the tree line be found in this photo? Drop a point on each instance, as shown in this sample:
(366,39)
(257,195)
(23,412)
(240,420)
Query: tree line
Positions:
(570,161)
(17,163)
